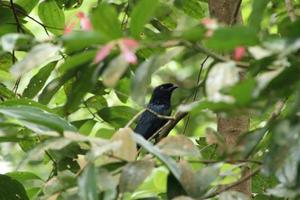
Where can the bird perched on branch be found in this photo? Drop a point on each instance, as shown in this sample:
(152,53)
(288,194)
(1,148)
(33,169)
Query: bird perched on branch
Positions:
(159,106)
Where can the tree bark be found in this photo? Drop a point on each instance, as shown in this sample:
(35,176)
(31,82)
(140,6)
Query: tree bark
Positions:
(231,127)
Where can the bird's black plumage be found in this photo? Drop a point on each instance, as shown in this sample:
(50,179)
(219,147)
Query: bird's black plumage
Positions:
(160,103)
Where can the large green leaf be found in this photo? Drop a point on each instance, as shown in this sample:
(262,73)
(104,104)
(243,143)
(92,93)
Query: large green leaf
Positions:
(77,60)
(11,189)
(129,180)
(38,81)
(256,16)
(27,5)
(105,20)
(85,82)
(38,55)
(54,85)
(35,118)
(168,161)
(141,14)
(192,8)
(113,115)
(228,38)
(79,40)
(97,102)
(52,16)
(6,93)
(87,183)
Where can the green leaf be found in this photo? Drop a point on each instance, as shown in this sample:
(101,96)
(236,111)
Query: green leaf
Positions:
(114,71)
(228,38)
(23,176)
(105,20)
(6,61)
(27,5)
(35,57)
(168,161)
(87,183)
(105,133)
(54,85)
(192,8)
(205,177)
(26,102)
(174,188)
(86,80)
(77,60)
(112,115)
(11,189)
(141,14)
(129,180)
(242,92)
(97,102)
(38,81)
(107,183)
(5,76)
(52,16)
(122,89)
(6,93)
(178,146)
(289,29)
(79,40)
(197,107)
(256,16)
(193,34)
(35,118)
(87,127)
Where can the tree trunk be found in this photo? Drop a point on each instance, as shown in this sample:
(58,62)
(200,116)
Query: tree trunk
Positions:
(228,12)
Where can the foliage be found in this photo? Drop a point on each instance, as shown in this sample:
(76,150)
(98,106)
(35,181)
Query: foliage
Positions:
(74,75)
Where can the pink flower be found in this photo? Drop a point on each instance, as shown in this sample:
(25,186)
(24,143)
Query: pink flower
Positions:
(84,21)
(69,27)
(127,47)
(103,52)
(130,43)
(239,53)
(210,24)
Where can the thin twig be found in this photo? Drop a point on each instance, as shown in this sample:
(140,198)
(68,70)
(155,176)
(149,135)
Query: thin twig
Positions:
(134,118)
(19,27)
(90,111)
(226,161)
(275,114)
(290,10)
(33,19)
(160,116)
(245,178)
(16,86)
(196,91)
(219,57)
(171,124)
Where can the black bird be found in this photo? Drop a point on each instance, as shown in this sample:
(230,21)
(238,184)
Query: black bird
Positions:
(160,103)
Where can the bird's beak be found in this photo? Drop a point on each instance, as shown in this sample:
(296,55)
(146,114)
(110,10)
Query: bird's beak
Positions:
(173,87)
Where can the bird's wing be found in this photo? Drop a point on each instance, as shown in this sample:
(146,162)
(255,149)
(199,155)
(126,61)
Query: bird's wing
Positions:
(148,124)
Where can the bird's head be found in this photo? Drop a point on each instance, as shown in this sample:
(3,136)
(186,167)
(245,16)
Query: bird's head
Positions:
(162,93)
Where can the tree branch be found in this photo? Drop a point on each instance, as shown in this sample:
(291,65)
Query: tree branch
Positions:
(219,57)
(243,179)
(226,161)
(19,27)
